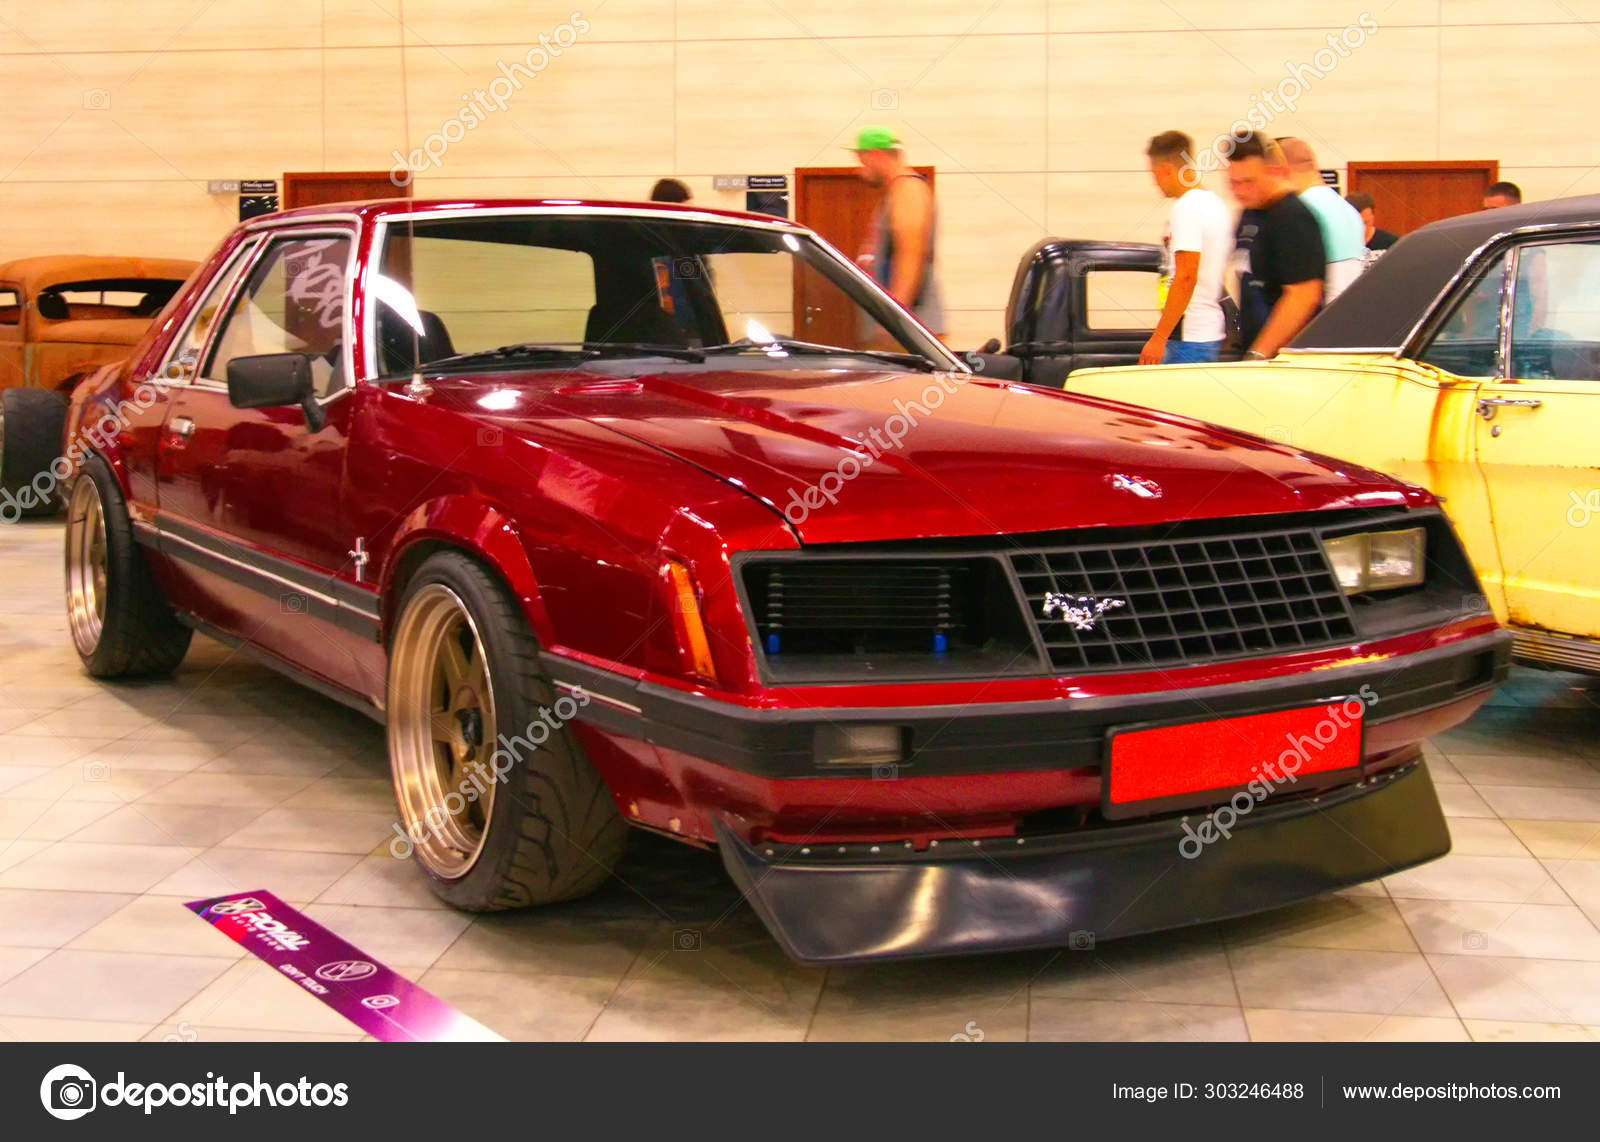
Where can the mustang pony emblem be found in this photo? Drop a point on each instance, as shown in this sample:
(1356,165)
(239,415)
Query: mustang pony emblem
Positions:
(1082,613)
(1135,485)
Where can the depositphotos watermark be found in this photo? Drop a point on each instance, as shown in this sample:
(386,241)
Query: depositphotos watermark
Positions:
(480,778)
(95,432)
(481,103)
(890,436)
(1584,508)
(1270,776)
(1283,98)
(69,1092)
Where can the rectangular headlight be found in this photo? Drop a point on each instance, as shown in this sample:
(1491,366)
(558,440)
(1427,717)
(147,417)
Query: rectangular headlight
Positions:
(1378,560)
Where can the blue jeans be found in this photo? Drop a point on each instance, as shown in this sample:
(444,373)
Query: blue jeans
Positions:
(1192,352)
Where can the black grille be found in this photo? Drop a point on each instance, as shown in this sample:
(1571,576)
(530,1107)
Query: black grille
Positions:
(1184,600)
(854,604)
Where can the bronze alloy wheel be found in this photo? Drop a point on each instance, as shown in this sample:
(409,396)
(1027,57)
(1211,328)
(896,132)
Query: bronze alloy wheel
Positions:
(442,731)
(86,566)
(501,808)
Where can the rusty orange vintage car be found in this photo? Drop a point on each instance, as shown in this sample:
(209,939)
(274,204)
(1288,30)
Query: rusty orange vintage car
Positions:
(61,318)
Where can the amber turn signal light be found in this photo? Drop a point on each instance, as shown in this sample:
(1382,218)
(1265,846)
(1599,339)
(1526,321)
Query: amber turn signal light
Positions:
(693,645)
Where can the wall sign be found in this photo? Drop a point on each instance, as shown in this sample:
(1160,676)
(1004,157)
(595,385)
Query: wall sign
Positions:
(1331,178)
(257,196)
(750,182)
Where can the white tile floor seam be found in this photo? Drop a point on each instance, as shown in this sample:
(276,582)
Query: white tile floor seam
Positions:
(119,803)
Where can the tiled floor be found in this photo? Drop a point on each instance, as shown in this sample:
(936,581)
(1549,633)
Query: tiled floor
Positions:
(118,803)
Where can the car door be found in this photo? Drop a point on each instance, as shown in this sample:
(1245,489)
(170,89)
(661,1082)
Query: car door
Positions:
(1460,353)
(250,499)
(1535,438)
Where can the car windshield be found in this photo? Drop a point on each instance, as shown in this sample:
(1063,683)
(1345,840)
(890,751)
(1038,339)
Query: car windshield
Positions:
(107,297)
(531,290)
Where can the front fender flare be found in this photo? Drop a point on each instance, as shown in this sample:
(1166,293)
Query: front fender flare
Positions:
(477,527)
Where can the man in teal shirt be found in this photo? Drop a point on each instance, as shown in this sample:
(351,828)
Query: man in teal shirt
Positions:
(1344,234)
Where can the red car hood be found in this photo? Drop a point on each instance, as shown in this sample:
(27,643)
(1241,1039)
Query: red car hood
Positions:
(890,455)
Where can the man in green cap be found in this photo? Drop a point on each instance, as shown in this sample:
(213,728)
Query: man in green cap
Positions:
(899,248)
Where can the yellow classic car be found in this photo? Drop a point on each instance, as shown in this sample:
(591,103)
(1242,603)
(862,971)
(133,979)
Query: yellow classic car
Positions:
(1467,360)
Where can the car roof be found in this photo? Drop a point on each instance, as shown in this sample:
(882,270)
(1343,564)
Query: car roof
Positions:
(373,210)
(35,274)
(1381,308)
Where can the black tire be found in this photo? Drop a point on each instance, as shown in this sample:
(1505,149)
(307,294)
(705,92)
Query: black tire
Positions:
(133,631)
(552,831)
(31,424)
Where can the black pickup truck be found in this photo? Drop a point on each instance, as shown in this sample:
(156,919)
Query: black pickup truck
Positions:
(1066,311)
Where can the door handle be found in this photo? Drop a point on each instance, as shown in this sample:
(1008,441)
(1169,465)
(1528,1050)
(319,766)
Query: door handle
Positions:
(181,427)
(1488,406)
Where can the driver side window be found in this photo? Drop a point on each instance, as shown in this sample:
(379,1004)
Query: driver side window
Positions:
(293,303)
(1468,343)
(1555,328)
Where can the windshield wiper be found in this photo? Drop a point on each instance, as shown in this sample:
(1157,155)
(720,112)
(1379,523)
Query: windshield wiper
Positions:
(567,351)
(643,349)
(809,348)
(531,350)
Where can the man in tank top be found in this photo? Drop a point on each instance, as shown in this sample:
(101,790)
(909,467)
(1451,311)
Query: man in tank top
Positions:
(899,248)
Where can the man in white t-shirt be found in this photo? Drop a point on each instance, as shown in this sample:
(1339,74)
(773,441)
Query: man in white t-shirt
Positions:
(1196,248)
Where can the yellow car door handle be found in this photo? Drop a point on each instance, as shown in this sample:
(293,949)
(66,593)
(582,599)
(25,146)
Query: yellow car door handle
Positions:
(1488,406)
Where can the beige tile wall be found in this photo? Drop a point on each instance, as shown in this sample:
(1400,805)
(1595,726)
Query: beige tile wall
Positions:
(1033,111)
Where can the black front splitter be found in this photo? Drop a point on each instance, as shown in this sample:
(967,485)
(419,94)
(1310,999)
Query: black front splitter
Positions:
(883,902)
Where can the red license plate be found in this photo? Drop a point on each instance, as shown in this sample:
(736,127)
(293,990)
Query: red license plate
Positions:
(1158,768)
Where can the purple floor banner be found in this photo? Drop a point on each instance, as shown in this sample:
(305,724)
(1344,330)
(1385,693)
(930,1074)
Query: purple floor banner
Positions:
(380,1001)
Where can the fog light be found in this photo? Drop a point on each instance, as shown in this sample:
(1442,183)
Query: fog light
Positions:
(859,745)
(1378,560)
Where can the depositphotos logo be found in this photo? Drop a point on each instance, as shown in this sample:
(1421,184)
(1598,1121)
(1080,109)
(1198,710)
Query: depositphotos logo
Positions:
(70,1092)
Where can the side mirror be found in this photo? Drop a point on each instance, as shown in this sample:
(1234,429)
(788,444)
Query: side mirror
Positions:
(275,380)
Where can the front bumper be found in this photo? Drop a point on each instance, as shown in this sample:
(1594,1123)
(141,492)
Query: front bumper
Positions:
(990,737)
(845,903)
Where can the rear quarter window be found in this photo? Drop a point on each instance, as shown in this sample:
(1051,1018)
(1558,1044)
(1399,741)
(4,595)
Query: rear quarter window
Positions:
(1122,299)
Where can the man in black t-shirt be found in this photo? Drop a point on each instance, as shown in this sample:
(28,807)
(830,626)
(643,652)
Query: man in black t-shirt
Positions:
(1278,253)
(1378,239)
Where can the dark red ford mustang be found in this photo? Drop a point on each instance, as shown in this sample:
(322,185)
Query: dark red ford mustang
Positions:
(566,495)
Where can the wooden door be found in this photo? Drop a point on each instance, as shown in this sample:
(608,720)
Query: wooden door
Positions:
(315,188)
(835,203)
(1406,196)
